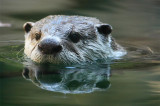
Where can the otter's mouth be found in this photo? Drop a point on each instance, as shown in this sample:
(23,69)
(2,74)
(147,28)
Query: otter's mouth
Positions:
(54,50)
(57,56)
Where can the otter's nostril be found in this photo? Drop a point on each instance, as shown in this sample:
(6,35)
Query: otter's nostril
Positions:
(39,47)
(57,48)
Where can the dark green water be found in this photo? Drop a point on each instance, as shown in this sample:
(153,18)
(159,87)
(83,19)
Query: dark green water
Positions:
(131,81)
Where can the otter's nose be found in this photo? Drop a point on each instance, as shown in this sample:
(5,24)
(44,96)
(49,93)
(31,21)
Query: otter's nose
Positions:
(49,46)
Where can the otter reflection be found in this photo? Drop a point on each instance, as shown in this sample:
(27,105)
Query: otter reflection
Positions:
(79,79)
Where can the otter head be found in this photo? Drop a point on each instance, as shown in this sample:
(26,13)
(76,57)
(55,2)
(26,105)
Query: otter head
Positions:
(68,39)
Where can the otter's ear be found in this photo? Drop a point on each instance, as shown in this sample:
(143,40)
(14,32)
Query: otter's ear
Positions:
(27,26)
(104,29)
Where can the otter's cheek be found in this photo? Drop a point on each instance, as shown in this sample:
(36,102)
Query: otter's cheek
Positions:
(36,55)
(27,49)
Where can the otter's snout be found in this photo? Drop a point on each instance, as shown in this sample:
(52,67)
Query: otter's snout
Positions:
(49,46)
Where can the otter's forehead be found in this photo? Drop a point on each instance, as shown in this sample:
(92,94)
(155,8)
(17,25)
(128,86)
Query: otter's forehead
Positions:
(61,19)
(64,24)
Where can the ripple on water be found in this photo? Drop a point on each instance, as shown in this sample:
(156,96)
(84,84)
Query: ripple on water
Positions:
(74,79)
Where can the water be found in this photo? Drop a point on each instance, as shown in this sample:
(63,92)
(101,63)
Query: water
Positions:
(133,80)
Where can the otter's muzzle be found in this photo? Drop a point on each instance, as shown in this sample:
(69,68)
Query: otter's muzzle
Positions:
(49,46)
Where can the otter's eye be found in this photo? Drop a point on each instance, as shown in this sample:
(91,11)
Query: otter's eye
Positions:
(74,37)
(37,36)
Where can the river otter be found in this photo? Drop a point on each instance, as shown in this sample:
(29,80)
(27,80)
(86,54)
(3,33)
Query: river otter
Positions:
(70,39)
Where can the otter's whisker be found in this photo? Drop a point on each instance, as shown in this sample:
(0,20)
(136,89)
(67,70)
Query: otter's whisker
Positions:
(18,53)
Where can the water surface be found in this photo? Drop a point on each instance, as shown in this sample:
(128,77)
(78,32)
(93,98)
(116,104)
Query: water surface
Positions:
(133,80)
